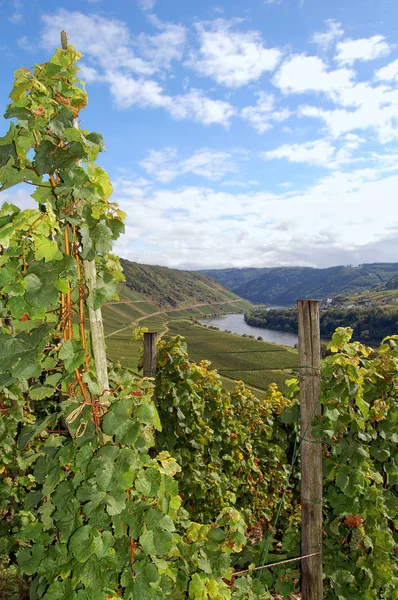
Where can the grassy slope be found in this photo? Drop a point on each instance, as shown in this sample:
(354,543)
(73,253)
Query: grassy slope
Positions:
(167,311)
(173,287)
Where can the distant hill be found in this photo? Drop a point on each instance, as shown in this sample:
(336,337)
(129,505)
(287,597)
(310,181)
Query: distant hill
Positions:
(391,284)
(284,285)
(161,300)
(172,288)
(384,295)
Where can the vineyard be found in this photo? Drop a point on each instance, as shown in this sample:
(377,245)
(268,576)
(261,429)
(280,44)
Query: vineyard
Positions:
(106,494)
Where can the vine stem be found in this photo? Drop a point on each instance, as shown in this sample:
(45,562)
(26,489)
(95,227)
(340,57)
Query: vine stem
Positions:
(69,327)
(81,305)
(48,187)
(82,387)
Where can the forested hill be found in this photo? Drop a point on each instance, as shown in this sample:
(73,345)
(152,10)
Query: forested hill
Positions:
(173,288)
(284,285)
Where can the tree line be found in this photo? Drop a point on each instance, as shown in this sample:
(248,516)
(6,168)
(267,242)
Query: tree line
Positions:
(368,324)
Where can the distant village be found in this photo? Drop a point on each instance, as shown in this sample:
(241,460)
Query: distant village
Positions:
(336,303)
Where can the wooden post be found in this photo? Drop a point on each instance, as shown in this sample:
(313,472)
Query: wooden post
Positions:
(309,345)
(95,316)
(150,338)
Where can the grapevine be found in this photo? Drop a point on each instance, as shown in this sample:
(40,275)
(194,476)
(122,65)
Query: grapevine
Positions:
(90,503)
(95,516)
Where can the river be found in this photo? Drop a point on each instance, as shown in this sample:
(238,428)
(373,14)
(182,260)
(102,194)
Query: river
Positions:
(236,323)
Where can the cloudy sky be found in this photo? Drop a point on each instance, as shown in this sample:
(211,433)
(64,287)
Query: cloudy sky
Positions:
(256,133)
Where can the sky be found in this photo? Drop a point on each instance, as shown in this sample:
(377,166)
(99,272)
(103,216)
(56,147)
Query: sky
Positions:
(260,133)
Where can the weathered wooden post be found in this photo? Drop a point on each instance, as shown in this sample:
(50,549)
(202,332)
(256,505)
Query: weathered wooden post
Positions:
(309,345)
(150,339)
(95,315)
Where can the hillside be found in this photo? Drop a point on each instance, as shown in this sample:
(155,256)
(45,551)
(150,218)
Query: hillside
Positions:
(171,302)
(384,295)
(284,285)
(155,297)
(172,288)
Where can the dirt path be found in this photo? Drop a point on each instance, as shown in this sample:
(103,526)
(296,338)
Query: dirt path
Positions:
(124,302)
(163,312)
(165,330)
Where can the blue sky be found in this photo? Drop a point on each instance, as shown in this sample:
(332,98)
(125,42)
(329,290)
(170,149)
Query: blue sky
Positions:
(257,133)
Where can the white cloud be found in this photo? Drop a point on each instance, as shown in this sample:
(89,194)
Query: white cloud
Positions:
(389,72)
(165,165)
(232,58)
(318,152)
(333,32)
(348,51)
(263,114)
(233,222)
(321,152)
(194,104)
(236,183)
(89,74)
(201,227)
(20,196)
(362,107)
(24,43)
(146,4)
(128,91)
(148,93)
(304,73)
(111,58)
(161,49)
(358,105)
(17,18)
(106,41)
(347,152)
(198,227)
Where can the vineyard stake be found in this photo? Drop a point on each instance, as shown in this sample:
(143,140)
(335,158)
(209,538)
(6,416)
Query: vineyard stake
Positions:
(95,315)
(311,450)
(150,338)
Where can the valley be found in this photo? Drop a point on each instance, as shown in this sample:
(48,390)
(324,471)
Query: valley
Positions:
(285,285)
(191,304)
(154,298)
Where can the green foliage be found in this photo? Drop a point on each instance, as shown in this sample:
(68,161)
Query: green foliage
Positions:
(87,511)
(88,508)
(231,445)
(360,401)
(107,520)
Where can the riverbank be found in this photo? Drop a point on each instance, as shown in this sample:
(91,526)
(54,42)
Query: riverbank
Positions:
(367,323)
(236,324)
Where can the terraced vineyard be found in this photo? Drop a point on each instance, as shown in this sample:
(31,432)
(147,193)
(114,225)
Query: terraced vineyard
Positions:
(169,302)
(132,310)
(257,363)
(385,298)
